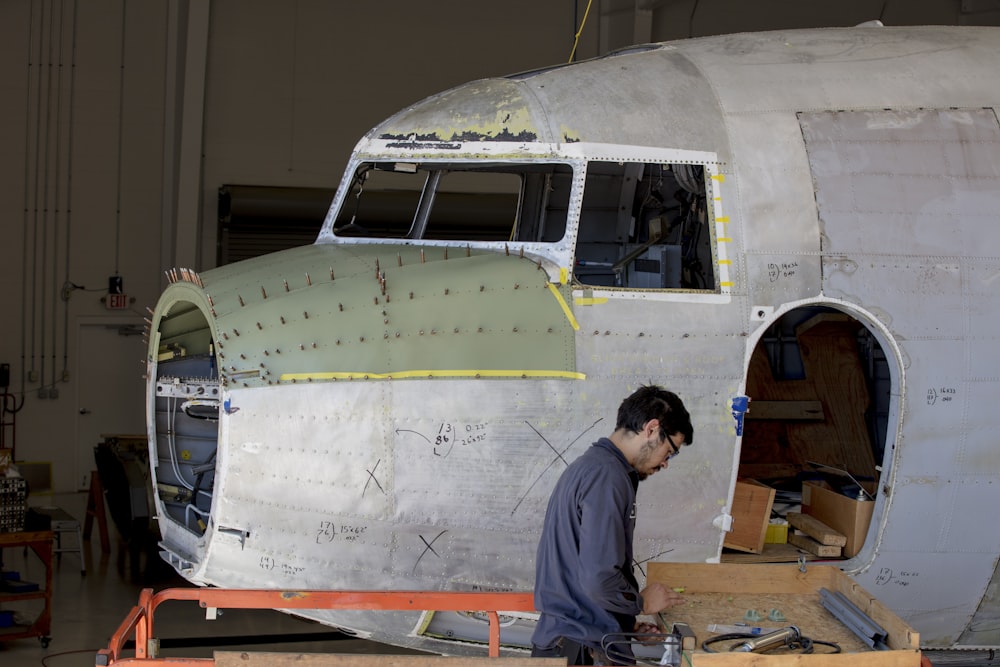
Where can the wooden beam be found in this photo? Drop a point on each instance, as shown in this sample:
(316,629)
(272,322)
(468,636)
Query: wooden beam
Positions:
(786,410)
(816,529)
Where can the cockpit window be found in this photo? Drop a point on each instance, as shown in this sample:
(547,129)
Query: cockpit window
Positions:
(526,202)
(645,226)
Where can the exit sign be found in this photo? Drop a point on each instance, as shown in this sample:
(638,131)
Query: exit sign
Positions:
(117,301)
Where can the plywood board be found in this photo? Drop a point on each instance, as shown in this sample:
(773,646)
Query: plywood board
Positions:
(751,512)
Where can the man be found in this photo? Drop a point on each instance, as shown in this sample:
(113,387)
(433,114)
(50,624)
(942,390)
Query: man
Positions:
(584,586)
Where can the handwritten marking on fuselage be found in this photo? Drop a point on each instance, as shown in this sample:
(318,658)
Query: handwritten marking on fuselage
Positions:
(447,435)
(371,478)
(776,271)
(270,564)
(558,457)
(428,546)
(942,394)
(901,578)
(328,531)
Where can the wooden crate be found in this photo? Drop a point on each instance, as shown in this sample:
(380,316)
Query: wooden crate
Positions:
(722,593)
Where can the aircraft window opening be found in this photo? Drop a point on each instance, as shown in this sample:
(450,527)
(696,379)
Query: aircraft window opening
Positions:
(464,201)
(645,226)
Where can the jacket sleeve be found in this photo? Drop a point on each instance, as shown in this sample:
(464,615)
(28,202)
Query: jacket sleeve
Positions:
(605,506)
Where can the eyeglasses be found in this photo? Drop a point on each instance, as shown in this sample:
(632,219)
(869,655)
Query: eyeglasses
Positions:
(675,450)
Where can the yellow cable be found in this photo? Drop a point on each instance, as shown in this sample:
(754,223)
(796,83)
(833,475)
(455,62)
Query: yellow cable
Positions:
(576,39)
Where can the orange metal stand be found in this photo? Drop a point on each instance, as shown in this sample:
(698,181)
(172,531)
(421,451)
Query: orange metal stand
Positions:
(139,622)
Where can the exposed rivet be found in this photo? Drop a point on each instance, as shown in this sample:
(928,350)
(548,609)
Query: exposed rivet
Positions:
(277,350)
(515,329)
(259,326)
(550,329)
(266,353)
(306,313)
(341,306)
(641,334)
(517,286)
(376,301)
(286,284)
(411,295)
(301,346)
(397,334)
(282,318)
(607,333)
(262,292)
(597,333)
(309,281)
(482,287)
(480,330)
(421,332)
(242,356)
(225,335)
(446,291)
(456,329)
(362,339)
(236,331)
(241,300)
(314,346)
(338,342)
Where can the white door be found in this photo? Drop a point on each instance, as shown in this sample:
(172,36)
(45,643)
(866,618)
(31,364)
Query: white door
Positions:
(111,398)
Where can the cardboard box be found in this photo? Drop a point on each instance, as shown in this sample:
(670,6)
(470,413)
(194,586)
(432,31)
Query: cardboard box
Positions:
(845,515)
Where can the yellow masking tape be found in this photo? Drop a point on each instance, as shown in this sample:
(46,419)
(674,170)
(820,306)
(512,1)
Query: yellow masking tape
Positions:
(564,306)
(590,301)
(333,375)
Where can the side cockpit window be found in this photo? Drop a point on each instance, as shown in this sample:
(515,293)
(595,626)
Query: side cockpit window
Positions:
(646,226)
(527,202)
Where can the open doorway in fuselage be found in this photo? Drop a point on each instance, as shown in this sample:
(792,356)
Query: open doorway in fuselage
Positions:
(816,433)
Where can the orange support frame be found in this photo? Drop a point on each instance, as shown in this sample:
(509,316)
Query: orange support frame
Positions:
(139,621)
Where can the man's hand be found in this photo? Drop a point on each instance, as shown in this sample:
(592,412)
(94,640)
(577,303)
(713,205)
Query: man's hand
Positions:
(657,597)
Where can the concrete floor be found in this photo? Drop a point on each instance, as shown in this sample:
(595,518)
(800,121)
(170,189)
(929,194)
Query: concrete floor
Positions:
(87,610)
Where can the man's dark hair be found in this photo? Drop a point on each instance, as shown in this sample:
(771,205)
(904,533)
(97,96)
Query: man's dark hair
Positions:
(653,402)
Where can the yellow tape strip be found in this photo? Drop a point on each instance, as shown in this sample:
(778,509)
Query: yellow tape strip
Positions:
(590,300)
(725,239)
(727,284)
(719,177)
(565,307)
(334,375)
(724,219)
(563,275)
(725,261)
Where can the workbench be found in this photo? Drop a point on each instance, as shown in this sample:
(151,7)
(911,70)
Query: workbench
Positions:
(40,542)
(722,593)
